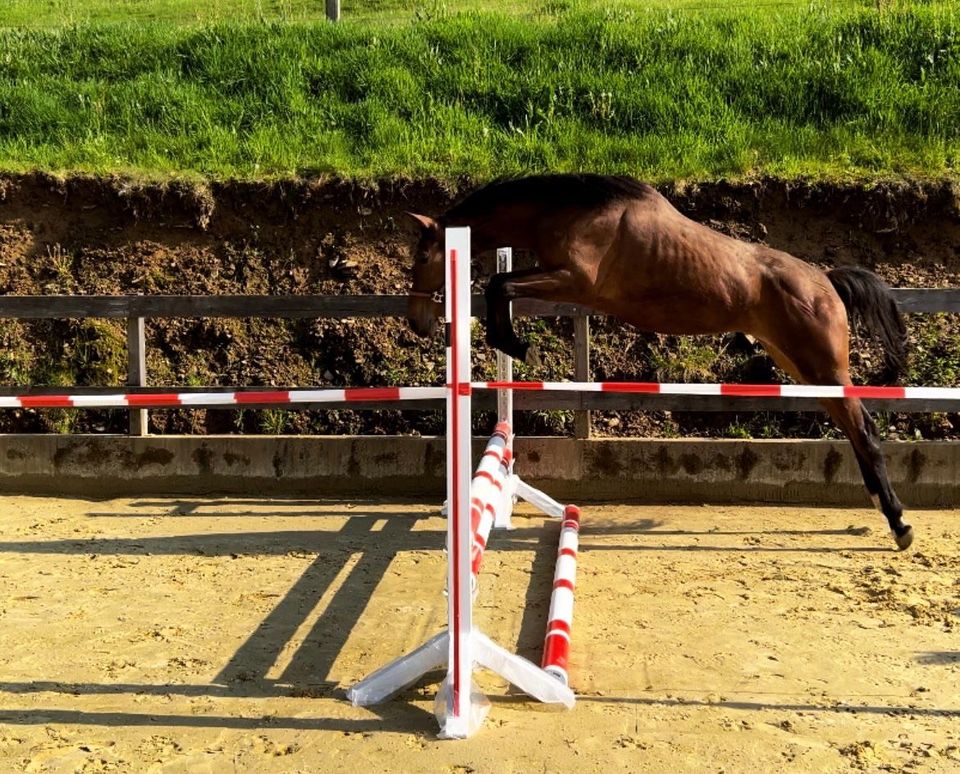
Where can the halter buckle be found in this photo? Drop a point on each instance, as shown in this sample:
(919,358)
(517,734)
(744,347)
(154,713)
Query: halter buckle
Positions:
(435,295)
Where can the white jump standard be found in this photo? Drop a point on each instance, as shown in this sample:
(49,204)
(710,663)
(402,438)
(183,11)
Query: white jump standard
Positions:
(472,511)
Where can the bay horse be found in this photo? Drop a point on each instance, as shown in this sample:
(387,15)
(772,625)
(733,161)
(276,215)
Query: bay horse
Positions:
(617,246)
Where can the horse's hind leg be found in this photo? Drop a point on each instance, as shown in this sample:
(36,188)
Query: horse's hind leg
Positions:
(855,422)
(859,427)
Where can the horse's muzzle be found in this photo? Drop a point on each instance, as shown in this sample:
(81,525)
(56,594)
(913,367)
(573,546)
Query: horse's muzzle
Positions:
(422,328)
(423,314)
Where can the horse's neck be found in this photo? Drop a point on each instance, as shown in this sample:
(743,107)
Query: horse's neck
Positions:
(503,228)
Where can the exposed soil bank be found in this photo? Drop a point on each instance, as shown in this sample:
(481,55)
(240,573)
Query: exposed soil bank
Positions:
(111,236)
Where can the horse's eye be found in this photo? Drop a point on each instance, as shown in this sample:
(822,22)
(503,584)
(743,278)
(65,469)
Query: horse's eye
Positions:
(422,259)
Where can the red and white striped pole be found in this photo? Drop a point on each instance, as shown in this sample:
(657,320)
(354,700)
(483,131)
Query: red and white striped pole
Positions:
(865,392)
(486,493)
(159,400)
(239,398)
(556,644)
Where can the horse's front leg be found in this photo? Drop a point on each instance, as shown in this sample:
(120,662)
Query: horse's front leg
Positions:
(500,331)
(506,287)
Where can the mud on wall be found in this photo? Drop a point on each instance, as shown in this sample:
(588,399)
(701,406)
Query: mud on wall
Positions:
(114,236)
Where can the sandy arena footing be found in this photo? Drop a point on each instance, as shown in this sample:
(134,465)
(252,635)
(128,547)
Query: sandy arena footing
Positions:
(215,634)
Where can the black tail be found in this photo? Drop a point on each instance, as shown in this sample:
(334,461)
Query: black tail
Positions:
(869,301)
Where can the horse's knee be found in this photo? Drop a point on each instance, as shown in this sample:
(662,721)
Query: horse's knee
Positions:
(494,290)
(489,331)
(509,291)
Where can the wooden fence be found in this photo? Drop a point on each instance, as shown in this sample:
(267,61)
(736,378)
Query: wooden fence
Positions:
(137,309)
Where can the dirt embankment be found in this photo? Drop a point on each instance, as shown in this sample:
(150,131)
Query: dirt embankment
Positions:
(111,236)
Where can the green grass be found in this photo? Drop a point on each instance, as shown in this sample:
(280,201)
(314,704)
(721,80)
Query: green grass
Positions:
(50,13)
(783,90)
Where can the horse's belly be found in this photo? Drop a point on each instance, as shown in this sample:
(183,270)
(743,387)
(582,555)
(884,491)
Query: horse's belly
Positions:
(680,314)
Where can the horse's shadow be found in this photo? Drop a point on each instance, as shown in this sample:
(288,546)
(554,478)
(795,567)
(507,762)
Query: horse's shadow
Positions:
(250,671)
(755,706)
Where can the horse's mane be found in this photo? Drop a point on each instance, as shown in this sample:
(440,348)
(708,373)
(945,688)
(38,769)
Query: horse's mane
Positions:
(562,190)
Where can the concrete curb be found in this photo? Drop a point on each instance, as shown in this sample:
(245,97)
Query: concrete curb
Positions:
(925,474)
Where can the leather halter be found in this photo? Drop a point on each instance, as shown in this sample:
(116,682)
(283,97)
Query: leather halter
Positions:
(436,295)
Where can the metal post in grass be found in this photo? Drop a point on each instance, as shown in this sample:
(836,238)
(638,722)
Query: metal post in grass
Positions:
(333,10)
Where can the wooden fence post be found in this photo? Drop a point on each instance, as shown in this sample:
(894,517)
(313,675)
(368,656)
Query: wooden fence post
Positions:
(581,360)
(137,371)
(333,10)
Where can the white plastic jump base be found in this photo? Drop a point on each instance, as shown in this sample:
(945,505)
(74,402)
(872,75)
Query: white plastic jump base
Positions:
(492,494)
(492,498)
(474,504)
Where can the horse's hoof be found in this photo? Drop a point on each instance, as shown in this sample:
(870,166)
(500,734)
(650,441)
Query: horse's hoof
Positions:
(905,538)
(532,357)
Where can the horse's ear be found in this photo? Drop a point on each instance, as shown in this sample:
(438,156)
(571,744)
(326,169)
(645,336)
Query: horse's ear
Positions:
(426,222)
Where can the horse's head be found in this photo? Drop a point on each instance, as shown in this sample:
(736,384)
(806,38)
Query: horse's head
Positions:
(423,310)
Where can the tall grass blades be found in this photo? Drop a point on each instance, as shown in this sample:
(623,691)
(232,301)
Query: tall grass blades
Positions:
(813,90)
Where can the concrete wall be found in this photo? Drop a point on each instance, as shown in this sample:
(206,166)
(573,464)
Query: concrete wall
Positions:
(924,474)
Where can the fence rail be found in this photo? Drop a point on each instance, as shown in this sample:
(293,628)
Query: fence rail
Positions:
(911,300)
(484,401)
(137,309)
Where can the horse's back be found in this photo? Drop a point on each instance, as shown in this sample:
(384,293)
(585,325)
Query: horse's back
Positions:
(671,274)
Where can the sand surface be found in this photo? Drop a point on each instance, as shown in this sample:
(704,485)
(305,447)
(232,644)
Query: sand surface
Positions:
(220,635)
